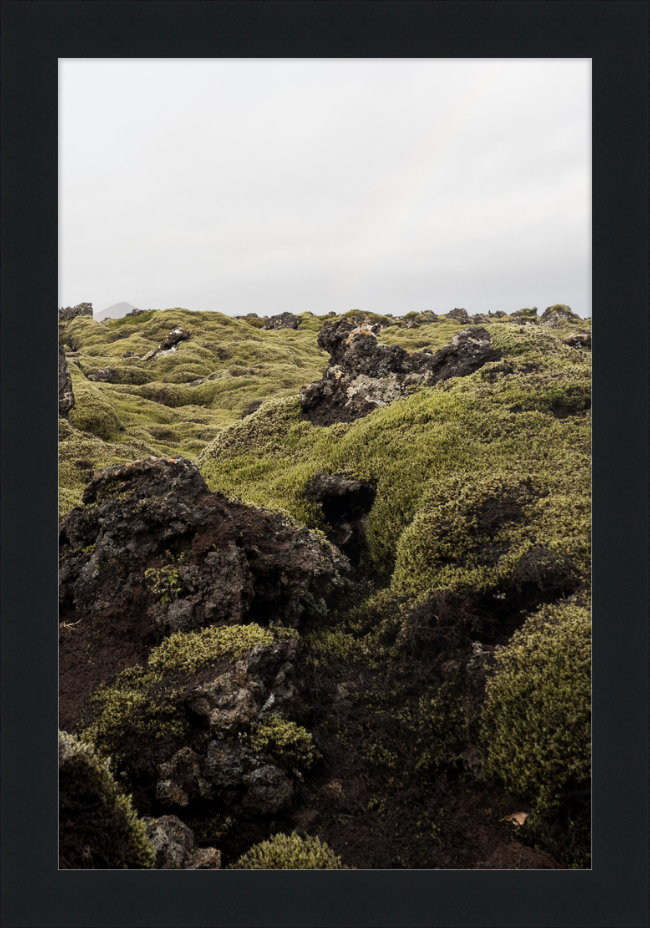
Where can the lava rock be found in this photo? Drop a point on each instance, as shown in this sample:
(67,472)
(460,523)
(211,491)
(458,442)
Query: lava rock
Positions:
(174,845)
(152,552)
(103,375)
(363,375)
(71,312)
(460,315)
(282,321)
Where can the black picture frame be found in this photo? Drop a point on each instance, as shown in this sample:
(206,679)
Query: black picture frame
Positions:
(615,36)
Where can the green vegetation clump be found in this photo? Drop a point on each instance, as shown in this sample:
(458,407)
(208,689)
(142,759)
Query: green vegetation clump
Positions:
(289,852)
(536,731)
(81,453)
(291,742)
(164,582)
(189,652)
(145,702)
(99,828)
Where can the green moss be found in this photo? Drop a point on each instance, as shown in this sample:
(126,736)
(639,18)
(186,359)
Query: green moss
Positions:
(99,828)
(189,652)
(289,852)
(144,703)
(436,458)
(81,453)
(234,362)
(536,731)
(137,705)
(293,743)
(92,412)
(164,582)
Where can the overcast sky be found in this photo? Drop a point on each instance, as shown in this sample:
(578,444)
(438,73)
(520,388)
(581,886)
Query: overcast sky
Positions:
(272,185)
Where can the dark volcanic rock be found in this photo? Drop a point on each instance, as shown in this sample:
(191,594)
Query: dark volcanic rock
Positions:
(152,551)
(460,315)
(176,335)
(66,313)
(174,845)
(282,321)
(345,504)
(66,396)
(364,375)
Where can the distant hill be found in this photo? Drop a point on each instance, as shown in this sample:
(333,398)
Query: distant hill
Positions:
(116,311)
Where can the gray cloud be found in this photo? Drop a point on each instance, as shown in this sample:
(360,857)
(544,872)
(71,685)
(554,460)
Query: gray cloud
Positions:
(267,185)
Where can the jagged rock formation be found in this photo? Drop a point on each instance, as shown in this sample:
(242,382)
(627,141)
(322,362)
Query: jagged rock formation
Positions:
(558,315)
(364,375)
(152,551)
(282,321)
(66,313)
(460,315)
(66,396)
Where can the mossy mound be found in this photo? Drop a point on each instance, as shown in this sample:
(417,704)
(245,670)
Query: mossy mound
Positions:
(440,460)
(143,705)
(98,829)
(81,453)
(289,852)
(178,401)
(536,731)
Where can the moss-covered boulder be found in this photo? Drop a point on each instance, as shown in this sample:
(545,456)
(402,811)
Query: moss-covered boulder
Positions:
(98,826)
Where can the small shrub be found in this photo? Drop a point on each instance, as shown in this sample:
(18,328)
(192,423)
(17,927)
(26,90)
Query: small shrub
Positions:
(289,852)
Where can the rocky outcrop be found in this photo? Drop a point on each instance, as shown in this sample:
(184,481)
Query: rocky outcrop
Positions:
(66,313)
(364,375)
(188,556)
(66,396)
(345,504)
(152,551)
(558,315)
(282,321)
(169,343)
(460,315)
(174,846)
(415,320)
